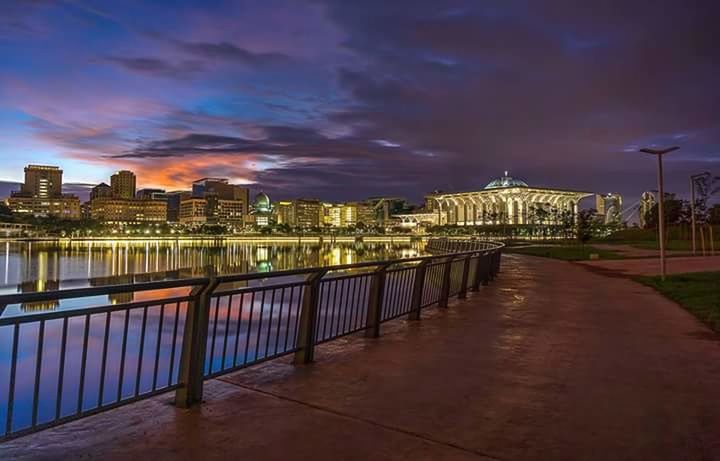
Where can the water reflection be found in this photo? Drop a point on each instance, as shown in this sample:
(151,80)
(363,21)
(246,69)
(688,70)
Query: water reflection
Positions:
(51,265)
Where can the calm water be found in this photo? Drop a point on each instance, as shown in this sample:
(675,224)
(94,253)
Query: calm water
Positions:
(135,351)
(40,266)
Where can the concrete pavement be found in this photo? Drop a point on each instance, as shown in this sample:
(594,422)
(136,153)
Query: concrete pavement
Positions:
(551,361)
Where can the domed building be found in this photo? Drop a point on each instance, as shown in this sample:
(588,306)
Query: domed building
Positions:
(261,209)
(505,181)
(505,200)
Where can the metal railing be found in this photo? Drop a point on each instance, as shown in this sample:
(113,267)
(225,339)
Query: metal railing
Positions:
(96,354)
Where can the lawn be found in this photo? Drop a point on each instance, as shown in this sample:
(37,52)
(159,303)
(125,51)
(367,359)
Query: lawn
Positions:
(675,245)
(678,239)
(565,252)
(698,292)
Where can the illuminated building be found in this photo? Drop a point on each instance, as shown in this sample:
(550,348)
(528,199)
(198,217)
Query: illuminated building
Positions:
(348,214)
(228,211)
(505,200)
(41,195)
(284,213)
(151,194)
(128,211)
(609,208)
(647,203)
(384,208)
(308,213)
(9,229)
(123,184)
(102,190)
(355,213)
(262,209)
(193,210)
(173,204)
(225,203)
(42,181)
(65,207)
(332,215)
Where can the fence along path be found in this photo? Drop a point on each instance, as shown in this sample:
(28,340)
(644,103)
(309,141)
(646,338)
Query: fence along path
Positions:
(64,364)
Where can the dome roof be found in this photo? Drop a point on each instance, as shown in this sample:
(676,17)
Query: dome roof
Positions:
(262,202)
(506,181)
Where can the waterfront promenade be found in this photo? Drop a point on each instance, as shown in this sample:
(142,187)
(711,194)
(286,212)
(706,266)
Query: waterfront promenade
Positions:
(550,361)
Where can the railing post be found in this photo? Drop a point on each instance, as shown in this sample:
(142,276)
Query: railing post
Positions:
(375,302)
(491,266)
(478,273)
(308,319)
(418,288)
(495,266)
(464,280)
(445,288)
(194,344)
(486,268)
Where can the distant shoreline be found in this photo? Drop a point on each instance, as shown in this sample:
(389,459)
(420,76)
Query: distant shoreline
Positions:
(230,238)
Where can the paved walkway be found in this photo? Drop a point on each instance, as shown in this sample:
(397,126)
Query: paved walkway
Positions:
(651,266)
(635,252)
(551,361)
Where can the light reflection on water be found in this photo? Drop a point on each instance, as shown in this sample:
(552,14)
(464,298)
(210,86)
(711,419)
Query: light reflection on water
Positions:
(50,265)
(243,330)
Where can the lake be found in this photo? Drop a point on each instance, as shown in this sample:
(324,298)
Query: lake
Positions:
(49,265)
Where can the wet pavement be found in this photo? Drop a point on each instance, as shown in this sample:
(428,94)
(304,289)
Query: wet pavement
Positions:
(551,361)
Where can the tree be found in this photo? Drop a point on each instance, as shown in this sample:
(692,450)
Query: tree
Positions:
(586,225)
(5,212)
(676,211)
(714,215)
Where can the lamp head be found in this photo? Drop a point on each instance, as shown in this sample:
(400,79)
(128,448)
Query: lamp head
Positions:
(647,150)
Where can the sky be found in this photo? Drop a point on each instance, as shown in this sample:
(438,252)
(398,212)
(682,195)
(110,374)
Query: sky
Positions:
(343,100)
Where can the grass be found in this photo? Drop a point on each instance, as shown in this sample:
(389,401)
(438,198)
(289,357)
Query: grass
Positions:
(565,252)
(678,238)
(698,292)
(685,245)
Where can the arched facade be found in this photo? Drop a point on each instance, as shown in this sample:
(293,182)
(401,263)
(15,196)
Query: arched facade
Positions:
(505,200)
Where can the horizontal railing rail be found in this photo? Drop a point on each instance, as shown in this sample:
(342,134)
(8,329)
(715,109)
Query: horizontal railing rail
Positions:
(103,348)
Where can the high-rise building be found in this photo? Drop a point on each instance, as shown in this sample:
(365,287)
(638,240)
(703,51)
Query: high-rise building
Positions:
(42,181)
(123,184)
(332,215)
(119,204)
(348,214)
(41,195)
(193,210)
(308,213)
(173,204)
(225,203)
(284,213)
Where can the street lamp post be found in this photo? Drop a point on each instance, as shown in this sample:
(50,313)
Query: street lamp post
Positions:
(661,210)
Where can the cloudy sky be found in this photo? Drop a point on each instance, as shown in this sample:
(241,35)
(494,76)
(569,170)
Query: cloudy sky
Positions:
(344,99)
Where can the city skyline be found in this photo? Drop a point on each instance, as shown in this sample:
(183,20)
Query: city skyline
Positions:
(331,99)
